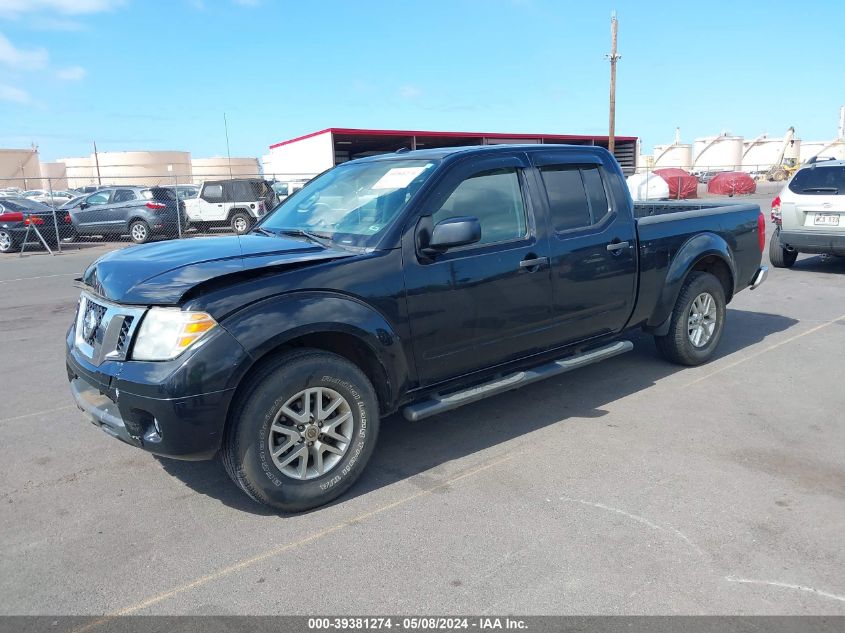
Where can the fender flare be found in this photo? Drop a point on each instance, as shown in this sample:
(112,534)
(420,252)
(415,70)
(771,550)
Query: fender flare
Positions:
(265,326)
(694,250)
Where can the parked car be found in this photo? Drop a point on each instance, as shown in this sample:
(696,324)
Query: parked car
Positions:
(237,203)
(89,189)
(54,199)
(17,215)
(415,282)
(140,212)
(809,213)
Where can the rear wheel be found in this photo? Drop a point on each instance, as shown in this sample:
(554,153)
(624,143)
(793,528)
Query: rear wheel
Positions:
(240,222)
(698,320)
(139,231)
(7,243)
(778,255)
(303,432)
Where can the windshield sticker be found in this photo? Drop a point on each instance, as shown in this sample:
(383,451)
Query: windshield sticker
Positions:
(398,177)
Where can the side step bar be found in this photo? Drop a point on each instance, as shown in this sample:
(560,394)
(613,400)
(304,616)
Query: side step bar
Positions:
(439,404)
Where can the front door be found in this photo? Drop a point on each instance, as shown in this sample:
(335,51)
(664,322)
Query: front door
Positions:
(486,303)
(593,250)
(90,214)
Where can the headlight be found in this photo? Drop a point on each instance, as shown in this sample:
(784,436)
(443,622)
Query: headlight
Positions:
(166,332)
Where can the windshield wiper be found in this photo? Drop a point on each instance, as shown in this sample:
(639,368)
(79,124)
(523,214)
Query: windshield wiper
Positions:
(261,229)
(821,189)
(322,240)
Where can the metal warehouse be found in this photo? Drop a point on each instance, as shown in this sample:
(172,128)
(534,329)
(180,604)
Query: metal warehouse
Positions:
(305,156)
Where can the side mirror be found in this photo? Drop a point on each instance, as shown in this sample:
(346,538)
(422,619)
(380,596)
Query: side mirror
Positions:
(83,205)
(453,232)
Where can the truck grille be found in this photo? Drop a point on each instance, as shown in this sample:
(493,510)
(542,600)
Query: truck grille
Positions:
(103,329)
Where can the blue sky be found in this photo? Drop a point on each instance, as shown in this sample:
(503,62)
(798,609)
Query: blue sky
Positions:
(154,74)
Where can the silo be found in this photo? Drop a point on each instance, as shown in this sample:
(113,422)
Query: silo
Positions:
(674,155)
(645,162)
(19,168)
(53,176)
(718,153)
(823,149)
(764,152)
(221,167)
(143,168)
(79,171)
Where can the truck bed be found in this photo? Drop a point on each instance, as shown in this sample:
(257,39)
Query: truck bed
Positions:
(662,207)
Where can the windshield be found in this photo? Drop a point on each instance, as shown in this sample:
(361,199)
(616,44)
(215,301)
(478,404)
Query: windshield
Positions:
(353,203)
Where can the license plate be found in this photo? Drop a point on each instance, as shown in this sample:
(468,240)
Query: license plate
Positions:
(826,219)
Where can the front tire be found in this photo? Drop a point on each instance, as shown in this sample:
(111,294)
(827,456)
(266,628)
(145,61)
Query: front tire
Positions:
(698,320)
(139,232)
(303,432)
(778,255)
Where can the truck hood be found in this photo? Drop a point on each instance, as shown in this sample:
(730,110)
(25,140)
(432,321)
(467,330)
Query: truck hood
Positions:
(161,273)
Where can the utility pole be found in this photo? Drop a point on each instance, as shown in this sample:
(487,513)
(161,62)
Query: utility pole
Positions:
(97,163)
(613,57)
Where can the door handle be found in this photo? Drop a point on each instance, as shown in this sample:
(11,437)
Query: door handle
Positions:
(533,264)
(615,247)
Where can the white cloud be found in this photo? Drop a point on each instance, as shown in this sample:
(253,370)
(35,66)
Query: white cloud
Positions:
(12,8)
(13,95)
(410,92)
(19,58)
(71,73)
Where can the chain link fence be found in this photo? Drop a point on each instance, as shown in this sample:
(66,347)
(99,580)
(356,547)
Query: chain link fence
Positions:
(54,215)
(61,214)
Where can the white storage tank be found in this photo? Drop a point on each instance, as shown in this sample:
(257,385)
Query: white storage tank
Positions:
(645,162)
(718,153)
(823,149)
(143,168)
(221,167)
(53,175)
(675,155)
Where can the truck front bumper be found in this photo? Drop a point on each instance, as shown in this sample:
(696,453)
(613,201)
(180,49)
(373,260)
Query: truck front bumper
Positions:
(143,404)
(813,242)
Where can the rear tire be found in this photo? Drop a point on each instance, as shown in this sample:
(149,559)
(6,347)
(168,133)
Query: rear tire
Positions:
(241,222)
(698,320)
(778,255)
(7,242)
(139,232)
(285,445)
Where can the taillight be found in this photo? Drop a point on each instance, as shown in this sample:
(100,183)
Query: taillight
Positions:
(776,210)
(37,221)
(67,218)
(11,216)
(761,232)
(156,206)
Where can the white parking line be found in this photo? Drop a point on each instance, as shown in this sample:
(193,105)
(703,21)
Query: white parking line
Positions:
(7,281)
(29,415)
(763,351)
(786,585)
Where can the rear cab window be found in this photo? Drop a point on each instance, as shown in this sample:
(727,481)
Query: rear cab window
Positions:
(576,194)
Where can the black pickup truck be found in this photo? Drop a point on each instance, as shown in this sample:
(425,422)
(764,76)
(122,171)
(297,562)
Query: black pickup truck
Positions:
(416,282)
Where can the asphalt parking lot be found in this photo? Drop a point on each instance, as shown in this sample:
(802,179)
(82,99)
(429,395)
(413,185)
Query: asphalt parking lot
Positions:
(628,487)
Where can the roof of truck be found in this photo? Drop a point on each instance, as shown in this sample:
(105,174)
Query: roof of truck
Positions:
(438,153)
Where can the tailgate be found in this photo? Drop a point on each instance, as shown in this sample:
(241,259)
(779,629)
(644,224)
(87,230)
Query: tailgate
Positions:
(823,213)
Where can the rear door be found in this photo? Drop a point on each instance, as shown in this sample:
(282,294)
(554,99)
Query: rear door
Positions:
(120,209)
(592,245)
(483,304)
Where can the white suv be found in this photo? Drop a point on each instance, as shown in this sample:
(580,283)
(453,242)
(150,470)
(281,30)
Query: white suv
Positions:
(810,213)
(237,203)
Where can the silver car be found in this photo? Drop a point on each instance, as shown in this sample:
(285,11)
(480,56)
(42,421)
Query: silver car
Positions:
(809,213)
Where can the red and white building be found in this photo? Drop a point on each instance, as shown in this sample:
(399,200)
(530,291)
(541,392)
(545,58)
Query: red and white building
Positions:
(306,156)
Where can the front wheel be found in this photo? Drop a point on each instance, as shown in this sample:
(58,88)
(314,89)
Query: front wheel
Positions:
(698,320)
(303,432)
(778,255)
